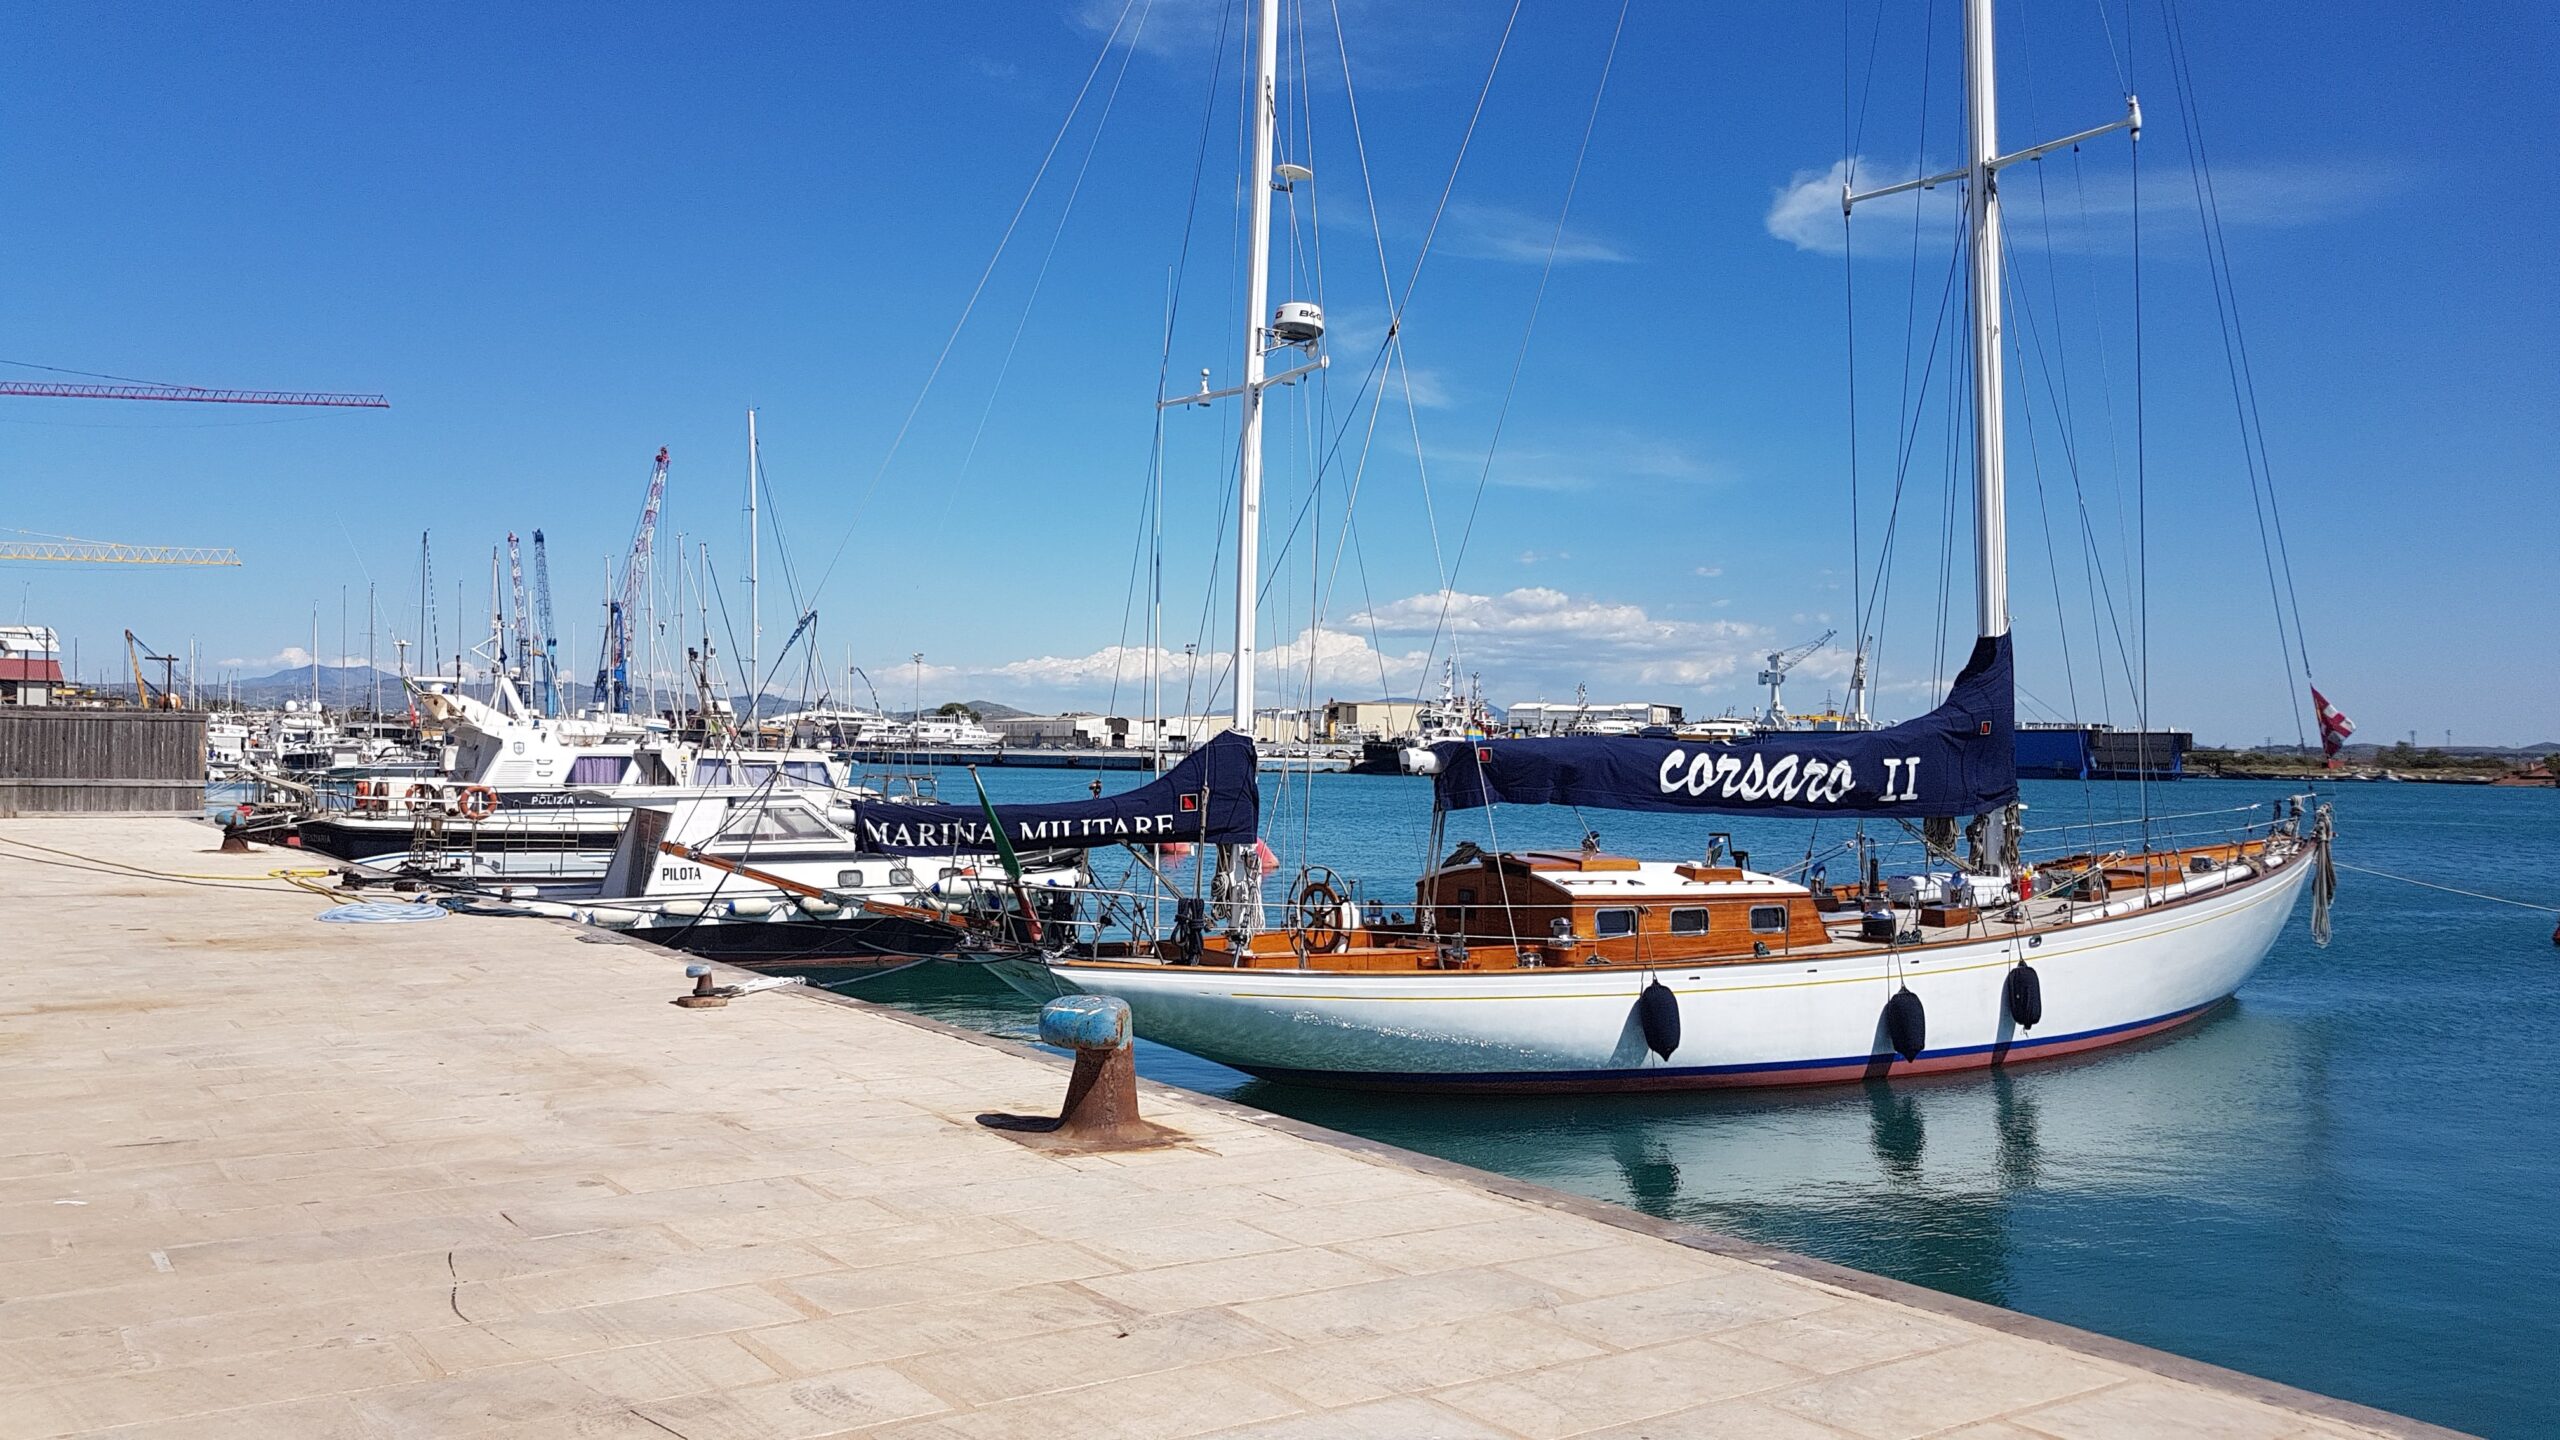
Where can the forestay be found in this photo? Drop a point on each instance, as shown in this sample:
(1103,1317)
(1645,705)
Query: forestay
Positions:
(1959,759)
(1210,798)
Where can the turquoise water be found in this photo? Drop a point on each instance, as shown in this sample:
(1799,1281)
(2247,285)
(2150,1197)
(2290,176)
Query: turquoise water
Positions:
(2343,1180)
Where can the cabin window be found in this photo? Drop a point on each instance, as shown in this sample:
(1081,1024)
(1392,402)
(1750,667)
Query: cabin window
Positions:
(1768,919)
(1689,920)
(807,772)
(596,770)
(848,879)
(777,824)
(1466,896)
(901,875)
(1613,922)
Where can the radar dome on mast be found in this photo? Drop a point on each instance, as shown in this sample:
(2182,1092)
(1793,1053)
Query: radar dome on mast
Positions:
(1297,322)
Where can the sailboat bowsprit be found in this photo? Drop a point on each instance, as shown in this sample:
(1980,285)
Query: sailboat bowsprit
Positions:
(1574,970)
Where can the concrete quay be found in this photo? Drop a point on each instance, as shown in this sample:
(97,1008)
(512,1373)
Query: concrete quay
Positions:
(266,1177)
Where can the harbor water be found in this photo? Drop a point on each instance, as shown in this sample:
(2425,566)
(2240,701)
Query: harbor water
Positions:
(2340,1181)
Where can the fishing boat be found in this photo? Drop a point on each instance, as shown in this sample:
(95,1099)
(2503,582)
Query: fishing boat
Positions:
(1584,970)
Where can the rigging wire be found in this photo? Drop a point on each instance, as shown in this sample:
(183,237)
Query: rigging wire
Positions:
(1040,277)
(1528,328)
(2244,385)
(1004,240)
(1391,346)
(1164,364)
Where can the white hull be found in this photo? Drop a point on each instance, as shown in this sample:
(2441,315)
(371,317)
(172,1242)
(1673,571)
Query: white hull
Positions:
(1783,1020)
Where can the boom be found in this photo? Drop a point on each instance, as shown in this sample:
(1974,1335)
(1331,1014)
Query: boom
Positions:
(192,392)
(103,552)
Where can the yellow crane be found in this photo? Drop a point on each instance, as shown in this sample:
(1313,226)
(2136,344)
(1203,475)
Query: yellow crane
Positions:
(136,652)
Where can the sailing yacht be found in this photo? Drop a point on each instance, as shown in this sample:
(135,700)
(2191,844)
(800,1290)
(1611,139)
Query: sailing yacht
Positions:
(1582,970)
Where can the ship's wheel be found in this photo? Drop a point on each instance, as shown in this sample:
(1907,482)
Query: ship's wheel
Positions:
(1315,911)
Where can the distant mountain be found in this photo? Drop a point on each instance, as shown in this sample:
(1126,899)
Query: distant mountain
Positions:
(341,686)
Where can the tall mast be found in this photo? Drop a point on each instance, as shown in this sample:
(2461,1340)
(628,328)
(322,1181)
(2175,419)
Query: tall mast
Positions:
(1981,177)
(755,617)
(1982,209)
(1265,101)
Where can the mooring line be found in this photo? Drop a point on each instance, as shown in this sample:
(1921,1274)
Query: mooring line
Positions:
(2448,889)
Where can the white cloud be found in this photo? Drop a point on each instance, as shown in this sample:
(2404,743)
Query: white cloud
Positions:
(1708,572)
(1498,232)
(1527,642)
(1427,388)
(1158,27)
(1806,210)
(2089,213)
(291,657)
(1344,663)
(1579,464)
(1547,640)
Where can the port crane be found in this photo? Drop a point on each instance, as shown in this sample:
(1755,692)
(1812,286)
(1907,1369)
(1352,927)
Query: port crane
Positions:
(1774,675)
(147,391)
(524,615)
(63,548)
(137,654)
(613,669)
(547,687)
(107,552)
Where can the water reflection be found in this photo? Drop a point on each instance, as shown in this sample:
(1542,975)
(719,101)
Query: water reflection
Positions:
(2303,1185)
(2014,1116)
(1896,1129)
(1645,1166)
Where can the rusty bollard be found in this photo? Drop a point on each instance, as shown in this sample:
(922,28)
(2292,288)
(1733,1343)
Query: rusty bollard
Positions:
(1101,1109)
(705,994)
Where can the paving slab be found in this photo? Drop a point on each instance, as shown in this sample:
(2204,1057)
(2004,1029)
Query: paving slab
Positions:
(265,1176)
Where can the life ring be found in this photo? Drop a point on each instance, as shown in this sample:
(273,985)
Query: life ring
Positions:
(477,802)
(421,796)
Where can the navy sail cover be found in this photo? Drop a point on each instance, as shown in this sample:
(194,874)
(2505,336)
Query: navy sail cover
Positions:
(1959,759)
(1210,798)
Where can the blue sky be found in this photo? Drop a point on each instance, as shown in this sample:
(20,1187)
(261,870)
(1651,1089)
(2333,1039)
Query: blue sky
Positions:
(559,239)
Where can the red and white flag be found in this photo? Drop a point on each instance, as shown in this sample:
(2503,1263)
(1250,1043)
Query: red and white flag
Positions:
(2335,727)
